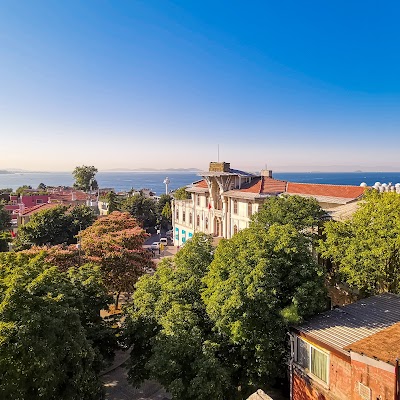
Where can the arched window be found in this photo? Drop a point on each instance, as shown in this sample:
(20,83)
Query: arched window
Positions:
(249,209)
(190,218)
(198,220)
(235,229)
(235,206)
(183,216)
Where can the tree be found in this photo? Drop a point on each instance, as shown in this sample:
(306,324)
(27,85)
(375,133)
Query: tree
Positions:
(85,178)
(366,249)
(113,202)
(5,238)
(21,189)
(42,186)
(115,242)
(170,332)
(46,351)
(301,212)
(164,212)
(260,282)
(5,218)
(142,209)
(53,226)
(181,194)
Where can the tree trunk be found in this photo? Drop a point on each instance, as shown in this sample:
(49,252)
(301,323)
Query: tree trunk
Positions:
(117,300)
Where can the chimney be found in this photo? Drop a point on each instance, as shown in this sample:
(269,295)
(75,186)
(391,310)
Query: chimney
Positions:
(266,172)
(21,208)
(219,167)
(73,197)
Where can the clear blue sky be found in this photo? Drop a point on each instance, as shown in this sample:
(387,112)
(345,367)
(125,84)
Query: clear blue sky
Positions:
(127,84)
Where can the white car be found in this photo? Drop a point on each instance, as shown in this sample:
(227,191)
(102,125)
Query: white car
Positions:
(155,245)
(164,241)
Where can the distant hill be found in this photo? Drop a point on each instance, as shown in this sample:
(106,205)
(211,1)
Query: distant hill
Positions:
(152,170)
(3,172)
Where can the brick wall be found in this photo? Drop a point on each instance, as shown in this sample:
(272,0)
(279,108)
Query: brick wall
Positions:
(338,388)
(380,382)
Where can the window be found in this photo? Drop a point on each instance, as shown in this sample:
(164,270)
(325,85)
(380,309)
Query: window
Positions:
(198,199)
(39,201)
(190,218)
(249,209)
(235,207)
(235,229)
(312,359)
(177,214)
(183,216)
(198,220)
(206,223)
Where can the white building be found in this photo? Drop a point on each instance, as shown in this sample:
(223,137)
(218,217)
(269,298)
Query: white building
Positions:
(223,202)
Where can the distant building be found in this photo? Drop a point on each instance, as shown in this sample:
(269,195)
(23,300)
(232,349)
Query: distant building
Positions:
(350,352)
(223,202)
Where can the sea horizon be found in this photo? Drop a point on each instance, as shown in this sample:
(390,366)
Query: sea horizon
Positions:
(153,180)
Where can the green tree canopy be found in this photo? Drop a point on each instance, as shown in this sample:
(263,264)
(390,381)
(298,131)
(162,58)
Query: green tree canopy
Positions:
(181,194)
(170,331)
(5,218)
(301,212)
(53,226)
(47,330)
(366,249)
(206,327)
(142,209)
(259,282)
(85,177)
(21,189)
(114,203)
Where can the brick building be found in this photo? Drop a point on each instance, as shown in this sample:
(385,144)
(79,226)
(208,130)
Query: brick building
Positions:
(348,353)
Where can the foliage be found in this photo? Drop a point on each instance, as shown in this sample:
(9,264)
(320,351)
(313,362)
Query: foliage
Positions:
(64,257)
(114,203)
(164,212)
(142,209)
(42,186)
(47,326)
(53,226)
(170,331)
(21,189)
(301,212)
(5,238)
(6,190)
(5,218)
(115,242)
(85,178)
(259,282)
(366,249)
(181,194)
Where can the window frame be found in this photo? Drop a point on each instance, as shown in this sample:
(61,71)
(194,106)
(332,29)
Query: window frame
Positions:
(308,370)
(235,206)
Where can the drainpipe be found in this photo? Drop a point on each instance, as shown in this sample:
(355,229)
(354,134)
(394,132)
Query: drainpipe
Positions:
(396,380)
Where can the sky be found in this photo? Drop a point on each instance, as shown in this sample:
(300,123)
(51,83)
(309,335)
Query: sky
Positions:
(291,85)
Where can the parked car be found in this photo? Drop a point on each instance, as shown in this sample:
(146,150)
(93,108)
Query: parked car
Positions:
(155,245)
(164,241)
(169,234)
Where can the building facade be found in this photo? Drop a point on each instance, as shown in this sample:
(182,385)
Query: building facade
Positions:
(348,353)
(223,201)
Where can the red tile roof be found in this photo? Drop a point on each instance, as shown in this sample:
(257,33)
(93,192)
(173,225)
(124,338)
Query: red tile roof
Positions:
(384,345)
(312,189)
(264,185)
(201,184)
(37,208)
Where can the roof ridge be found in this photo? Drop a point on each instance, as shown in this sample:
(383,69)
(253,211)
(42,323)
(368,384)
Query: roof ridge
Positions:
(325,184)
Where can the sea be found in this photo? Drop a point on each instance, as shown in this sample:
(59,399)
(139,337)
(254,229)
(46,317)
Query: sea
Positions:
(124,181)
